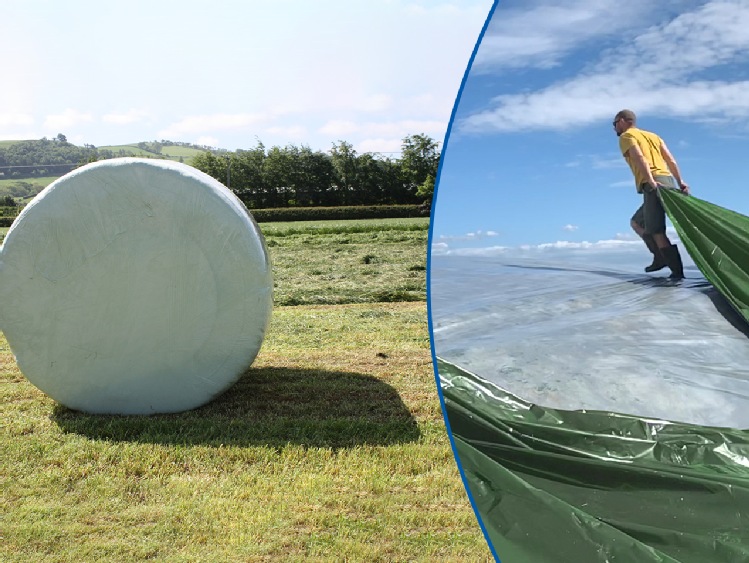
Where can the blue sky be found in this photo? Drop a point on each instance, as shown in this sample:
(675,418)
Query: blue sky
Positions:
(228,72)
(532,158)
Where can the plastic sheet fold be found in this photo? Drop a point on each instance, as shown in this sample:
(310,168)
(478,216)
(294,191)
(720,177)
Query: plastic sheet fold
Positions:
(717,239)
(554,485)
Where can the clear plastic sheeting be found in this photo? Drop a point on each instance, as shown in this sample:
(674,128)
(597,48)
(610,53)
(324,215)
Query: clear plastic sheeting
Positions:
(134,286)
(588,329)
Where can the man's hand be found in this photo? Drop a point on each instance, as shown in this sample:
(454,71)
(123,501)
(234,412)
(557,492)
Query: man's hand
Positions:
(684,188)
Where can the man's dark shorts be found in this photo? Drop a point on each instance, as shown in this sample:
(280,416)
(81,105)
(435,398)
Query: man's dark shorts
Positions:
(651,216)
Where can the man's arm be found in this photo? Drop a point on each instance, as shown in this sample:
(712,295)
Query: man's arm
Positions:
(671,162)
(635,154)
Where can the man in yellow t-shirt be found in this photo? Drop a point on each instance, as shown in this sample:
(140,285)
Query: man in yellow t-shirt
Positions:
(653,167)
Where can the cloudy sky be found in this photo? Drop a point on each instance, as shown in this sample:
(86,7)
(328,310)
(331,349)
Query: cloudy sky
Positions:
(230,72)
(532,158)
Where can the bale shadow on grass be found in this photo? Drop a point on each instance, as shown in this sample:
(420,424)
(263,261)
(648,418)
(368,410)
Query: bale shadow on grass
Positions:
(271,407)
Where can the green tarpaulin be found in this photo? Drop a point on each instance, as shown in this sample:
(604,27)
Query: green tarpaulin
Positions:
(717,239)
(574,486)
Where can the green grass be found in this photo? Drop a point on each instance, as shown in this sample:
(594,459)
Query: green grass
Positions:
(172,152)
(348,261)
(175,151)
(133,150)
(356,225)
(331,447)
(41,183)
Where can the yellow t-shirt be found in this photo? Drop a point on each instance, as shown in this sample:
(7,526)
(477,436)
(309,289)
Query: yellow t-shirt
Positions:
(650,145)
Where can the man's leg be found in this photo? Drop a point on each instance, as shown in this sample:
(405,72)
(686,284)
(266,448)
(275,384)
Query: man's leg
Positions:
(638,225)
(655,225)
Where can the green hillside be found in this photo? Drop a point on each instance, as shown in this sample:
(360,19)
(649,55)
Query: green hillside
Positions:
(28,166)
(180,153)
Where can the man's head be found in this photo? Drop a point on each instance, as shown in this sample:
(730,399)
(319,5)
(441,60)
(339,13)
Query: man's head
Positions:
(624,120)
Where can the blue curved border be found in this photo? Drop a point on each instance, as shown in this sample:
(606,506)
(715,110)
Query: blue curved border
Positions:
(429,277)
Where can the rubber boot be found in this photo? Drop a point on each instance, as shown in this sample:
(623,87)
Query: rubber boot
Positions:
(659,261)
(673,261)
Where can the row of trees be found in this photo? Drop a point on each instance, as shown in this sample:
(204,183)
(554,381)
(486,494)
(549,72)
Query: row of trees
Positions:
(287,176)
(298,176)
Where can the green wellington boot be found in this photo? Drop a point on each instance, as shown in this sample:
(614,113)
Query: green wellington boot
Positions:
(659,262)
(673,261)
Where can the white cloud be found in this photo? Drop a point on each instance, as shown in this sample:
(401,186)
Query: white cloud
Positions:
(485,251)
(662,65)
(68,118)
(14,119)
(627,236)
(623,242)
(376,102)
(207,141)
(600,163)
(127,118)
(601,244)
(541,34)
(623,184)
(409,126)
(478,235)
(379,146)
(385,128)
(295,132)
(197,124)
(570,228)
(339,128)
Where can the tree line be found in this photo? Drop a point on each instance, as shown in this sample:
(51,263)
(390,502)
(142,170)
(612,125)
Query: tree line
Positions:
(290,176)
(297,176)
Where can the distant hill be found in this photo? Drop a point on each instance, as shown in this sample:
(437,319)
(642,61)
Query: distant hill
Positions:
(181,152)
(28,166)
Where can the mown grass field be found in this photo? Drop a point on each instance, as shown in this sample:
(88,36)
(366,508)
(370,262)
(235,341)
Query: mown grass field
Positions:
(173,152)
(39,183)
(331,446)
(348,262)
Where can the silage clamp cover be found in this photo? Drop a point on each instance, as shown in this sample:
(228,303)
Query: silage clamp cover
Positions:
(591,486)
(717,239)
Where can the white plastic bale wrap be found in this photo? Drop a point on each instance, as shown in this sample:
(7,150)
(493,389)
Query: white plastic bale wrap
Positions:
(134,286)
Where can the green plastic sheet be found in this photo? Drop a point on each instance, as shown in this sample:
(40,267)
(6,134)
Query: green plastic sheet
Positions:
(717,239)
(589,486)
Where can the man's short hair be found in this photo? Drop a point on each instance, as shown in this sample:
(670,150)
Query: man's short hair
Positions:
(626,114)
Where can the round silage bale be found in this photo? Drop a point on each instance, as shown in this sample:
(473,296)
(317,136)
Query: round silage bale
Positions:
(134,286)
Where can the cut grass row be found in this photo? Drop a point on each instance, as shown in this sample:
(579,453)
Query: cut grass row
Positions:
(382,261)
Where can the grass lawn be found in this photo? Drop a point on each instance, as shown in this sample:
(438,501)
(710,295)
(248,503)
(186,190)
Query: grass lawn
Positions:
(331,447)
(348,261)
